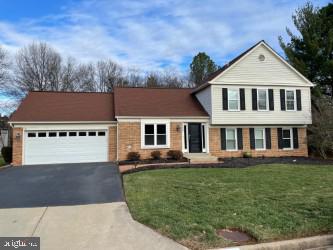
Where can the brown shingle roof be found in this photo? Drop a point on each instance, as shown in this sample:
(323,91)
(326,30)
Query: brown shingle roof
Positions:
(65,106)
(156,102)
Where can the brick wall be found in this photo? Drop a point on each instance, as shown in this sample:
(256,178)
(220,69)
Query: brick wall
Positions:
(130,140)
(215,145)
(17,146)
(113,143)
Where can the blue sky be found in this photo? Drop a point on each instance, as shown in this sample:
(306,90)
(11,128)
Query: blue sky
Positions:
(146,34)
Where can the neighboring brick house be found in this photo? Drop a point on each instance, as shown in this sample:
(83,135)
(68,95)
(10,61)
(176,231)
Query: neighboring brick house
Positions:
(257,103)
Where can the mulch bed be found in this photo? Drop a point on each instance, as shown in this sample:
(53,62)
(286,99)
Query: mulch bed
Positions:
(150,161)
(237,163)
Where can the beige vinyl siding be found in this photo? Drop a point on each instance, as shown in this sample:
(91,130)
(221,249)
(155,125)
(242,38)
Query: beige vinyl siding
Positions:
(249,116)
(205,99)
(250,70)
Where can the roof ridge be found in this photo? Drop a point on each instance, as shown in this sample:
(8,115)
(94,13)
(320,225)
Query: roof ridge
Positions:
(142,87)
(69,92)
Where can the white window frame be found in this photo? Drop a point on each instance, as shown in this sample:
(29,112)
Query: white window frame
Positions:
(226,139)
(291,139)
(264,138)
(286,99)
(155,123)
(238,99)
(267,100)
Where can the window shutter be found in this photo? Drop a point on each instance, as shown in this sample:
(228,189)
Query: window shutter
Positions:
(242,98)
(223,139)
(283,99)
(240,138)
(280,140)
(252,139)
(271,99)
(268,138)
(295,137)
(225,98)
(254,99)
(299,99)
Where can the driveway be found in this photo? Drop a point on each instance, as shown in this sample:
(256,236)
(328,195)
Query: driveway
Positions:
(72,206)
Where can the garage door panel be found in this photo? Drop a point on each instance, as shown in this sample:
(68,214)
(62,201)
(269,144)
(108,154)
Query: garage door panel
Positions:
(43,150)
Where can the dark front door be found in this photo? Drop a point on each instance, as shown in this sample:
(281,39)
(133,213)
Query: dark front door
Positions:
(194,135)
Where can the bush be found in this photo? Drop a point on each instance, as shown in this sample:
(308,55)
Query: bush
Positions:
(133,156)
(175,154)
(247,155)
(156,155)
(7,154)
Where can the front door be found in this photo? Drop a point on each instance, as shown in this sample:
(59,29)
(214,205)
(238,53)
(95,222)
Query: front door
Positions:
(194,136)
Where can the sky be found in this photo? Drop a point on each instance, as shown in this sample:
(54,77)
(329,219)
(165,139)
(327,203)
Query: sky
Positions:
(146,34)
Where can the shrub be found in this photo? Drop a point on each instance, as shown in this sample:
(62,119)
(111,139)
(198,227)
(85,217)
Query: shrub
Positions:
(247,154)
(133,156)
(156,155)
(7,154)
(175,154)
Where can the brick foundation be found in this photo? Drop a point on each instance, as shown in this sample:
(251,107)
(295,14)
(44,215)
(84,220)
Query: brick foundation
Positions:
(17,146)
(215,145)
(130,140)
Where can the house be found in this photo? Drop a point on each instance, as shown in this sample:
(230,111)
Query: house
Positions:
(257,103)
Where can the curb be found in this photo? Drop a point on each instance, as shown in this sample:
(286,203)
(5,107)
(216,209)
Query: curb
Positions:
(322,242)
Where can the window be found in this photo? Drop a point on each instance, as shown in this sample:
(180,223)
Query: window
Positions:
(287,138)
(154,135)
(91,133)
(31,134)
(290,100)
(82,133)
(185,137)
(101,133)
(72,134)
(52,134)
(62,134)
(231,139)
(262,99)
(42,134)
(233,99)
(259,135)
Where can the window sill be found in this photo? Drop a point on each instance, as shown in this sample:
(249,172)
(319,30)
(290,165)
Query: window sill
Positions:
(232,150)
(155,147)
(288,149)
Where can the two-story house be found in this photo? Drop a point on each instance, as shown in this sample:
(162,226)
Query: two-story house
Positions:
(257,103)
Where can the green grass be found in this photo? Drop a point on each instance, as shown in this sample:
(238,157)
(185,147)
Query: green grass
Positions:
(269,201)
(2,161)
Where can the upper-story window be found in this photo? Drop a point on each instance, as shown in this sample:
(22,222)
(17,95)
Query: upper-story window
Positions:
(290,100)
(233,99)
(262,99)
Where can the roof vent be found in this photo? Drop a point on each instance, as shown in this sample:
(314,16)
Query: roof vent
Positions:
(261,58)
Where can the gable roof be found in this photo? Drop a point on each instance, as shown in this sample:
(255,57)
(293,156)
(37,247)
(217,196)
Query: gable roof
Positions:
(220,71)
(65,106)
(155,102)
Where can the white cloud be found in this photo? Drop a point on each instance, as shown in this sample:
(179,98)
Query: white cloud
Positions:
(151,34)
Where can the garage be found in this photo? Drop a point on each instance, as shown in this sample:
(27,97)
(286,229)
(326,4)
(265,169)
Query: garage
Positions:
(65,146)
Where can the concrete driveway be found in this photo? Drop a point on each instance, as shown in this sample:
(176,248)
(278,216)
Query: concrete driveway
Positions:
(72,206)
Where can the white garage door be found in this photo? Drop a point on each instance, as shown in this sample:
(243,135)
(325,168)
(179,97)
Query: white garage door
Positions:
(45,147)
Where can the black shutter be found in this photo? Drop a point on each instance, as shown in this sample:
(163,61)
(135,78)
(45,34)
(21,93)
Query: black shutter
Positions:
(283,99)
(280,140)
(240,138)
(271,99)
(268,138)
(225,98)
(252,139)
(295,137)
(223,139)
(299,99)
(254,99)
(242,98)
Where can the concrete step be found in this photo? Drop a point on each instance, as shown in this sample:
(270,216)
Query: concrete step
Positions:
(201,158)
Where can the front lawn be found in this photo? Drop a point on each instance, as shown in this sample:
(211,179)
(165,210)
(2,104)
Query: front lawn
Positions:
(2,161)
(269,201)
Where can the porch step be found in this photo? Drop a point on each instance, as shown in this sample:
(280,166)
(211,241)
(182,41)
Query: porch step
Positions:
(201,158)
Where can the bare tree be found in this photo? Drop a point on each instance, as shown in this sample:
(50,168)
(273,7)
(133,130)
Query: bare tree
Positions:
(85,77)
(69,75)
(109,74)
(4,65)
(38,67)
(153,80)
(134,77)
